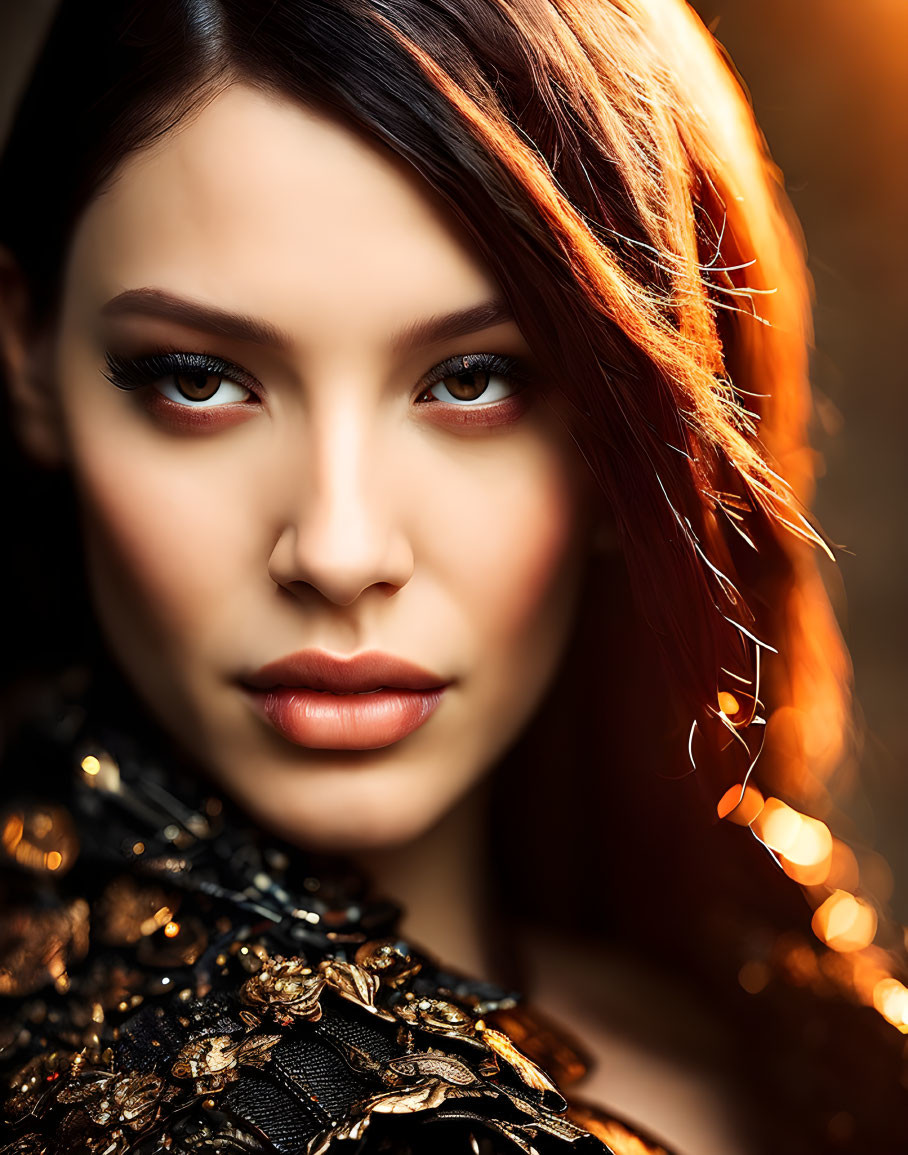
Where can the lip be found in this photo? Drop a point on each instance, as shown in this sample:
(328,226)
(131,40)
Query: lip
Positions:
(364,702)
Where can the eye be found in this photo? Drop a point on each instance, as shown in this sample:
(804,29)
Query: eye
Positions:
(478,379)
(193,380)
(201,389)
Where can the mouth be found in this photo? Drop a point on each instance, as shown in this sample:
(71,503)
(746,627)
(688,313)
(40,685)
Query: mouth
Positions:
(323,702)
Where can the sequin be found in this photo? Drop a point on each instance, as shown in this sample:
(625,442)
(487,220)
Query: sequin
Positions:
(207,1001)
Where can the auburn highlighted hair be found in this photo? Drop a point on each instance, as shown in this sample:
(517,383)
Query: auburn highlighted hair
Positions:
(602,156)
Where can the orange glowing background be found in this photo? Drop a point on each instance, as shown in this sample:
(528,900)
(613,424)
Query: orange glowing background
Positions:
(830,88)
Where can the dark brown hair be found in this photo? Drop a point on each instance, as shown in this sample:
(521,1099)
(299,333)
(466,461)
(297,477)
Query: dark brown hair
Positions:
(605,162)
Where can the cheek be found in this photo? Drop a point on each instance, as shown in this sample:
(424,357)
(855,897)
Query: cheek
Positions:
(163,541)
(513,546)
(521,576)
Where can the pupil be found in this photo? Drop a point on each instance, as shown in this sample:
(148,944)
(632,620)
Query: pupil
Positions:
(468,385)
(198,386)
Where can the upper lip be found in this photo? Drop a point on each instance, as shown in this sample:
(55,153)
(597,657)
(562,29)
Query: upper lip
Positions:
(319,670)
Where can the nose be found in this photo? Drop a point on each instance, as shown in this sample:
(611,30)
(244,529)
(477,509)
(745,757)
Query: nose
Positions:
(343,530)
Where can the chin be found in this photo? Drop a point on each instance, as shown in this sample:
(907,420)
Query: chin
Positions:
(344,810)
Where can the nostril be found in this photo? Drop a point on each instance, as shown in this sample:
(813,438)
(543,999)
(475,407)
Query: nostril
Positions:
(338,563)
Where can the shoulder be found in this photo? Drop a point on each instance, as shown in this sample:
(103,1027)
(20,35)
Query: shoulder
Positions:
(658,1062)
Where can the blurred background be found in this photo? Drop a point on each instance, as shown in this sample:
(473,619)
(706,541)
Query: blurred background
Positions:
(829,81)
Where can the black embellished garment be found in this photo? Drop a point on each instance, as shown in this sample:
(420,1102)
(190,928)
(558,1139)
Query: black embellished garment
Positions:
(175,981)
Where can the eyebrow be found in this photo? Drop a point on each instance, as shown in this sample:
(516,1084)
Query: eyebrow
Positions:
(150,302)
(445,326)
(157,303)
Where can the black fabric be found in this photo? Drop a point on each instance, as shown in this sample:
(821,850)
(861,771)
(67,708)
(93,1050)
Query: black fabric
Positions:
(212,989)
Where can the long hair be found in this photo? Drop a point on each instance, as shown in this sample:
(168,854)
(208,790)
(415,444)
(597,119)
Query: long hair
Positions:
(605,162)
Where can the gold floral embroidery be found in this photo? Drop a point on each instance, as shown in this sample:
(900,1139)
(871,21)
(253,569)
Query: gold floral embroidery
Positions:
(213,1062)
(430,1064)
(355,984)
(389,959)
(110,1100)
(285,988)
(289,989)
(423,1096)
(437,1015)
(502,1046)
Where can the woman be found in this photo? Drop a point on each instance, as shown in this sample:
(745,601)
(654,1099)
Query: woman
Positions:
(374,342)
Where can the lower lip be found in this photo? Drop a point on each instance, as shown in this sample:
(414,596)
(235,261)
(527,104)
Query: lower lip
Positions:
(346,721)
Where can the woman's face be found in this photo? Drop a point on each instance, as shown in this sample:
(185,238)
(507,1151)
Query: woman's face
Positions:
(325,443)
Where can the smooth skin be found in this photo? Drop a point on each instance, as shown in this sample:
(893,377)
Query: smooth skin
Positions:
(323,498)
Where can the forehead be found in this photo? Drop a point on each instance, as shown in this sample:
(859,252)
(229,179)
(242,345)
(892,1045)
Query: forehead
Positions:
(261,204)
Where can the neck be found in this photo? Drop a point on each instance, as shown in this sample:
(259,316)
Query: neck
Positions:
(440,881)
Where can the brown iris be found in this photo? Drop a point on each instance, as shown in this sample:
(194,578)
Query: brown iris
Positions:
(197,386)
(467,385)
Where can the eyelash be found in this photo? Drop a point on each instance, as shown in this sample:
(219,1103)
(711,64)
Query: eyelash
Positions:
(513,369)
(130,373)
(138,373)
